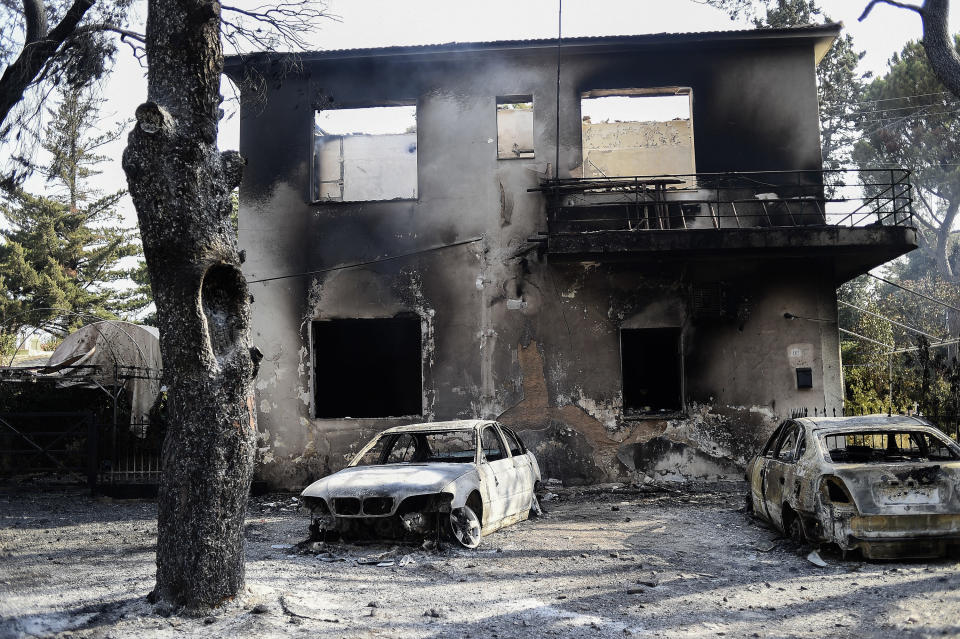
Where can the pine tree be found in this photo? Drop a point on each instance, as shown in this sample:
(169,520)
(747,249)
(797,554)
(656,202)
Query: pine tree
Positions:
(912,122)
(62,250)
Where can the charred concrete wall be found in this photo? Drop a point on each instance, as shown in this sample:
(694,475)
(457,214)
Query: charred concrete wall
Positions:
(506,333)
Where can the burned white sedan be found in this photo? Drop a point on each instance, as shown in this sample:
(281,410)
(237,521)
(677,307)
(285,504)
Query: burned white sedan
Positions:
(886,485)
(464,479)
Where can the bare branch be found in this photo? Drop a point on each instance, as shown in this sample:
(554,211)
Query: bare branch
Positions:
(34,56)
(284,25)
(923,200)
(106,27)
(894,3)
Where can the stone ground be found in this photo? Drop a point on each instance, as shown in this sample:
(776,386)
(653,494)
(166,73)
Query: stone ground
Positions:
(600,563)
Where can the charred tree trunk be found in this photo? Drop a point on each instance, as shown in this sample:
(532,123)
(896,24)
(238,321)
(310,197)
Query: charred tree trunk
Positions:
(181,184)
(939,44)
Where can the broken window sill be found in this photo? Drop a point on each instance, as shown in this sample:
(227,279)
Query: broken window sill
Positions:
(638,417)
(346,202)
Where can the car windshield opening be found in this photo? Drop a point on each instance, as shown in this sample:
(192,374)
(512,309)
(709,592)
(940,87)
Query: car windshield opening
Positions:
(448,446)
(887,447)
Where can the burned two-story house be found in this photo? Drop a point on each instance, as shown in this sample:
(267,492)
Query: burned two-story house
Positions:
(623,247)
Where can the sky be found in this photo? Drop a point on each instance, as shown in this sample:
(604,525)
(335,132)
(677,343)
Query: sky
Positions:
(375,23)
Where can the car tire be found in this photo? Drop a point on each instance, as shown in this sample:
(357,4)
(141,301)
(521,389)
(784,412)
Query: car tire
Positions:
(794,529)
(464,527)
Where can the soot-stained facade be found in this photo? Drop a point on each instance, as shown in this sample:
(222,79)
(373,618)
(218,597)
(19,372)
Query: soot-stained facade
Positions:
(420,249)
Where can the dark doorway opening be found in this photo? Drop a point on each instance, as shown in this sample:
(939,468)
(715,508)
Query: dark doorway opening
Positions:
(652,372)
(367,367)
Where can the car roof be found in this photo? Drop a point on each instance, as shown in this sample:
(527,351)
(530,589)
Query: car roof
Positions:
(872,422)
(459,424)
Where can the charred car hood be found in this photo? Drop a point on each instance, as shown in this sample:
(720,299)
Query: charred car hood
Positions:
(397,480)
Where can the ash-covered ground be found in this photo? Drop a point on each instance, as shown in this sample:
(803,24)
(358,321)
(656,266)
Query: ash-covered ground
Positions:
(602,562)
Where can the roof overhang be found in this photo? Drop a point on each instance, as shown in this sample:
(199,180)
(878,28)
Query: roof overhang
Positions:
(821,37)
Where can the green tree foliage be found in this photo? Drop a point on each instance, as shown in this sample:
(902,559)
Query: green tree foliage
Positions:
(866,365)
(913,122)
(61,251)
(930,371)
(140,296)
(925,376)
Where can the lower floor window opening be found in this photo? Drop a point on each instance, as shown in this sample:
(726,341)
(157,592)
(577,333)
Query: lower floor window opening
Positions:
(367,367)
(652,370)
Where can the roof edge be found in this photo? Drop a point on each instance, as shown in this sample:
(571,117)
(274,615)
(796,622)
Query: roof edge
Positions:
(822,34)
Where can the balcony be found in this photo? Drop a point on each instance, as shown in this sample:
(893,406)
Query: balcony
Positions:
(857,219)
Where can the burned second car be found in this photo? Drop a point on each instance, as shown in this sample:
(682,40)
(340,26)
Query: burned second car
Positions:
(886,485)
(462,478)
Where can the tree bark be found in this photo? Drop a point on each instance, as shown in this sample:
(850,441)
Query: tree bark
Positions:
(943,239)
(939,44)
(946,269)
(35,17)
(180,184)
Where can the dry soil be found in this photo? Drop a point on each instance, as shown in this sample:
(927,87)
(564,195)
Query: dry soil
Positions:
(602,562)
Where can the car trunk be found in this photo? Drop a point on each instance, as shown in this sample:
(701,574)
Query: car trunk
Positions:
(914,488)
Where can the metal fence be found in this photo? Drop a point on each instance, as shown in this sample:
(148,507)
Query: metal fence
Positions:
(756,199)
(64,443)
(99,445)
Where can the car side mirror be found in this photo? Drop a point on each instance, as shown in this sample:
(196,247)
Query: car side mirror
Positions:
(786,456)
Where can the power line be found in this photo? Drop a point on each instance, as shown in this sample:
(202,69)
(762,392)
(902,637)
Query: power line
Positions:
(949,342)
(903,108)
(918,293)
(910,115)
(858,335)
(872,131)
(885,318)
(366,263)
(902,97)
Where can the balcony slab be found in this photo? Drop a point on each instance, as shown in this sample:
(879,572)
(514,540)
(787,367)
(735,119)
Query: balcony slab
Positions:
(853,250)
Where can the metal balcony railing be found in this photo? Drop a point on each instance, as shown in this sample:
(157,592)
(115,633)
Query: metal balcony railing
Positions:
(756,199)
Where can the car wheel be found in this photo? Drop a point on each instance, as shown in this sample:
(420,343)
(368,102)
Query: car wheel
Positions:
(795,530)
(465,527)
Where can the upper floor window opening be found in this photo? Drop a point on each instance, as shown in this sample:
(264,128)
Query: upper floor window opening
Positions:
(514,127)
(365,154)
(629,132)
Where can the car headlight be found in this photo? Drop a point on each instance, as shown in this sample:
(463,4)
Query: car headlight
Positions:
(316,505)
